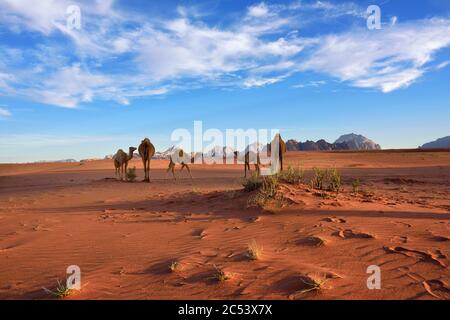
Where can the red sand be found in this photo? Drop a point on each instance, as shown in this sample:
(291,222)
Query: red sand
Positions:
(124,235)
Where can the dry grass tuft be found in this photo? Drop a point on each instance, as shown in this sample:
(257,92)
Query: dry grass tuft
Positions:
(254,251)
(314,283)
(221,275)
(292,175)
(253,183)
(175,266)
(61,290)
(317,241)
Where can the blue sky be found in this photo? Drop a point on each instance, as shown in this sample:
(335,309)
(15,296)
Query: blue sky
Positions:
(145,68)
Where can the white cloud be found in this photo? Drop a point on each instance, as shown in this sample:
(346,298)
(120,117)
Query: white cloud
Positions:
(443,65)
(259,10)
(259,82)
(186,49)
(4,113)
(315,83)
(387,60)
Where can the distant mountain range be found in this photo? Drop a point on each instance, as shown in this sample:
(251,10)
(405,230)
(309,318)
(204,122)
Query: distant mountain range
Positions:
(442,143)
(345,142)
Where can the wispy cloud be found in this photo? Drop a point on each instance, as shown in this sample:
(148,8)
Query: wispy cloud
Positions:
(443,65)
(315,83)
(387,60)
(4,113)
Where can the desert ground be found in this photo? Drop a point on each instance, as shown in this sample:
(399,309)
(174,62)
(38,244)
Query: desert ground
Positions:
(125,235)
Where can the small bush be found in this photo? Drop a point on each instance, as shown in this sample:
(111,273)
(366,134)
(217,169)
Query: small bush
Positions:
(269,187)
(315,284)
(131,174)
(292,175)
(356,184)
(254,251)
(318,179)
(334,180)
(256,200)
(267,191)
(253,183)
(61,290)
(326,179)
(220,275)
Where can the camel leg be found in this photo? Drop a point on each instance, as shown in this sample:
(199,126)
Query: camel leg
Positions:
(172,169)
(281,162)
(126,171)
(145,169)
(187,167)
(245,170)
(258,171)
(247,167)
(148,170)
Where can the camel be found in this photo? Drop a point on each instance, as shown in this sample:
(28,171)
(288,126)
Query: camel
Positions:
(253,157)
(146,151)
(183,158)
(117,166)
(281,150)
(121,161)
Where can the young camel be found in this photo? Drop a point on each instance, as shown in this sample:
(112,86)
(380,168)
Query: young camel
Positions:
(254,157)
(146,151)
(179,156)
(121,161)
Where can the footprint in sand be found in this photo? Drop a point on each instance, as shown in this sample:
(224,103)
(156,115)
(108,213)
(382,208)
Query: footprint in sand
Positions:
(334,219)
(417,254)
(350,234)
(437,289)
(401,239)
(200,233)
(440,238)
(313,241)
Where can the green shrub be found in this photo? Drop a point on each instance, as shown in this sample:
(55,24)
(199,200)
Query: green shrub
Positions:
(253,183)
(318,179)
(355,184)
(131,174)
(334,180)
(267,191)
(292,175)
(269,187)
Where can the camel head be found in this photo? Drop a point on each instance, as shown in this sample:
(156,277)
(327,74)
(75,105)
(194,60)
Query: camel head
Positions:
(131,151)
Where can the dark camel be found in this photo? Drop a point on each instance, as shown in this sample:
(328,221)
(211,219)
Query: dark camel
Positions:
(146,151)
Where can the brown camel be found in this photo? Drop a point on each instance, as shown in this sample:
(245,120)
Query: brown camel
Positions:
(146,151)
(183,158)
(254,157)
(281,149)
(250,156)
(121,161)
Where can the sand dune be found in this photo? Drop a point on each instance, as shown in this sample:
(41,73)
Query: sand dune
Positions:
(124,236)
